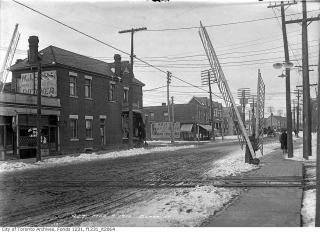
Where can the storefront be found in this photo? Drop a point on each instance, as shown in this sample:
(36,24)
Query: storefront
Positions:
(18,126)
(137,121)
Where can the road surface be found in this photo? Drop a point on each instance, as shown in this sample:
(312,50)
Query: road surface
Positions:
(60,195)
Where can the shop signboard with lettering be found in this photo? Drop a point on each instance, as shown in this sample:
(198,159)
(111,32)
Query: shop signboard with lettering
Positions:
(161,130)
(28,84)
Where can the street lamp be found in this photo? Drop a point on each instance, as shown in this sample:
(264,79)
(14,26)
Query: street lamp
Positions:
(287,65)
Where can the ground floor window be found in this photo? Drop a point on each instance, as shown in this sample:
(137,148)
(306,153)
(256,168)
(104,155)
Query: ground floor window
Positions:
(74,128)
(89,128)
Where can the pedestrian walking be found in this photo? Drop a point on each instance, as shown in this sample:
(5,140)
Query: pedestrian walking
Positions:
(283,141)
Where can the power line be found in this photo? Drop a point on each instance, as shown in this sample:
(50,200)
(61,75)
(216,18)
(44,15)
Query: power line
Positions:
(102,42)
(218,25)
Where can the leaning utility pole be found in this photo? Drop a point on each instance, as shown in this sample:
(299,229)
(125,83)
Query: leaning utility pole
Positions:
(305,72)
(287,60)
(132,31)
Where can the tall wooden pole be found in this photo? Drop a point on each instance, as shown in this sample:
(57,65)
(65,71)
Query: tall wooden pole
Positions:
(306,88)
(288,97)
(130,95)
(172,120)
(317,219)
(34,61)
(168,105)
(211,106)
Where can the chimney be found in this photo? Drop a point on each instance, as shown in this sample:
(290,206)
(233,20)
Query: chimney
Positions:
(33,50)
(117,65)
(18,61)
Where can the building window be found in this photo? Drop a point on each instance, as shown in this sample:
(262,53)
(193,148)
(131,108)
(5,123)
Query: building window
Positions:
(125,94)
(112,91)
(102,130)
(151,116)
(165,116)
(87,87)
(74,126)
(73,84)
(89,120)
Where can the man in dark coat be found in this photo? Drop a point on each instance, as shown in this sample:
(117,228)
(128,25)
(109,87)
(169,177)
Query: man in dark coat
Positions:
(283,141)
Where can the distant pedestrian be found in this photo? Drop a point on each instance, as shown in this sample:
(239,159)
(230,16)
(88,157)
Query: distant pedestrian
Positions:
(142,133)
(283,141)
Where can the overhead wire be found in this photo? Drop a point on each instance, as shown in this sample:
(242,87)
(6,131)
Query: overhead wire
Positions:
(217,25)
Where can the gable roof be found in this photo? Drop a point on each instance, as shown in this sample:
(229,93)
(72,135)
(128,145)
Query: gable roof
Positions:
(204,101)
(53,55)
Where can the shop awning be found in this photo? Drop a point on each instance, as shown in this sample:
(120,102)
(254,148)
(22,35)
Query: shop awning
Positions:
(206,127)
(186,127)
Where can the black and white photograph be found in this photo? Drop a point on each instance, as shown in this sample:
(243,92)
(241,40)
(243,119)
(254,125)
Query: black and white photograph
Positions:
(159,115)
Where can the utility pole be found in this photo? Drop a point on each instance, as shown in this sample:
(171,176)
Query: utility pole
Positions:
(168,104)
(305,73)
(172,120)
(132,31)
(317,218)
(287,60)
(293,116)
(298,111)
(34,61)
(211,106)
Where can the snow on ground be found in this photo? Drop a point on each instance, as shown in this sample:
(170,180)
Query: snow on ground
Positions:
(309,196)
(169,207)
(234,164)
(308,210)
(9,166)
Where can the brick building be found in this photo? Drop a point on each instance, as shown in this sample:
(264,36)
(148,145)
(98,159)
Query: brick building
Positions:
(190,115)
(84,105)
(276,122)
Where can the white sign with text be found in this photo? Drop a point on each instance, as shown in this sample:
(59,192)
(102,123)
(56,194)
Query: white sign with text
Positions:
(28,84)
(161,130)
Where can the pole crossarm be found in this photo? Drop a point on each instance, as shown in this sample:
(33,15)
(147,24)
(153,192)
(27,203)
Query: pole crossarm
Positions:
(225,90)
(133,30)
(282,4)
(311,19)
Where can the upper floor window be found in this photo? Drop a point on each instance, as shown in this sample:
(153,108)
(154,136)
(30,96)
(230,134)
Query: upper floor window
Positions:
(151,116)
(112,91)
(125,94)
(73,84)
(88,87)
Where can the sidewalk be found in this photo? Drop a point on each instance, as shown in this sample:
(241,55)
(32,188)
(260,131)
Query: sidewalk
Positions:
(266,206)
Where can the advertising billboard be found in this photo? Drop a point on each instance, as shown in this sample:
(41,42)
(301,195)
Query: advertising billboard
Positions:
(28,84)
(161,130)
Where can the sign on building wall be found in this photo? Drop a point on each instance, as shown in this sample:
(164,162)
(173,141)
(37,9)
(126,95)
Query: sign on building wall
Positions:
(28,84)
(161,130)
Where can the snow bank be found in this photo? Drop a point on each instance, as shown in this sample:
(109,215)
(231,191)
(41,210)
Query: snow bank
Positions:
(50,162)
(308,210)
(169,207)
(234,164)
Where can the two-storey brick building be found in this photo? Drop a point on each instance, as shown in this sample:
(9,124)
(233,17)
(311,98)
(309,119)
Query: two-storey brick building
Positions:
(194,118)
(84,104)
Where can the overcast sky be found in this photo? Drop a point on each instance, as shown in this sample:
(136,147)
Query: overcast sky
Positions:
(242,48)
